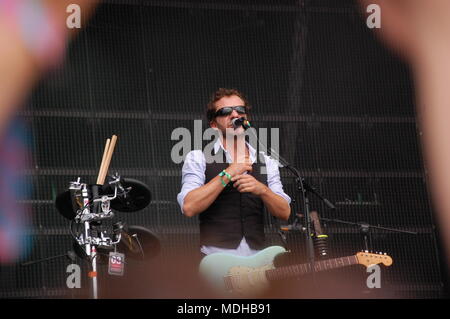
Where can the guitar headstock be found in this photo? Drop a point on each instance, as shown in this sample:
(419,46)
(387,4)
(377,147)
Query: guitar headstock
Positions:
(365,258)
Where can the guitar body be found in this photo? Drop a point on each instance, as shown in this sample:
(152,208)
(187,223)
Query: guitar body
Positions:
(247,276)
(239,275)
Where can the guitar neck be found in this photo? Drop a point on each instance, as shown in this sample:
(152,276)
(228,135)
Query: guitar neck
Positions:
(296,270)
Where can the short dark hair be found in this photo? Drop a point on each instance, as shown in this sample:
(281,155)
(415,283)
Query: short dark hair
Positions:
(220,93)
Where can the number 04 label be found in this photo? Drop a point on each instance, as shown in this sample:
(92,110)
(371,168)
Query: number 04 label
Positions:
(116,265)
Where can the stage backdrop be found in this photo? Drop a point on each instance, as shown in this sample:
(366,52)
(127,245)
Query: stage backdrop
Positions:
(343,103)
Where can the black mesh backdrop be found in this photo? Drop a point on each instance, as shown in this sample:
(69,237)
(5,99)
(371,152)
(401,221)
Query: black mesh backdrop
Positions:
(343,103)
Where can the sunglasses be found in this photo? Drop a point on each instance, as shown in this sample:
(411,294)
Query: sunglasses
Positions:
(229,109)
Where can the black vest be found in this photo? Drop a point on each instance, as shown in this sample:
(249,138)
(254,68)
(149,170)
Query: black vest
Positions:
(233,215)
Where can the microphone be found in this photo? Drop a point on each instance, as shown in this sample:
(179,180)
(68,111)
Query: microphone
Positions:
(242,121)
(320,239)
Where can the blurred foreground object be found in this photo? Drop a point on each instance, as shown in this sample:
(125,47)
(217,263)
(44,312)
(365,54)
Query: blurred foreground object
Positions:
(420,32)
(33,35)
(14,216)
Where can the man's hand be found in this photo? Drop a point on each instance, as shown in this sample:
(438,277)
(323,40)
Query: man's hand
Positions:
(239,167)
(274,203)
(246,183)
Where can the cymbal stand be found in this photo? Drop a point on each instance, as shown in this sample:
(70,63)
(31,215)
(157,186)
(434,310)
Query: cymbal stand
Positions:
(89,238)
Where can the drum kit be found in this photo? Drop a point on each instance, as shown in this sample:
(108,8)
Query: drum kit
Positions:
(87,206)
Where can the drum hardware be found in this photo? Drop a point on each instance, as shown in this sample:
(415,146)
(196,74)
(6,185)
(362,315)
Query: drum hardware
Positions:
(86,206)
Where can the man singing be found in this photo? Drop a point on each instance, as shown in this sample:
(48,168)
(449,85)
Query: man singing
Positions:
(227,189)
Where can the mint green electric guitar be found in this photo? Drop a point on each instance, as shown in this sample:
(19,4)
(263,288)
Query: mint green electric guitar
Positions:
(252,275)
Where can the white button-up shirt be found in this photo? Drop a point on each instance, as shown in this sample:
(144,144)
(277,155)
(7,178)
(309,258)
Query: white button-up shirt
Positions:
(193,176)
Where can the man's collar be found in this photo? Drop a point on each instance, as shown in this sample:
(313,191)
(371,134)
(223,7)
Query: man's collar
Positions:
(218,145)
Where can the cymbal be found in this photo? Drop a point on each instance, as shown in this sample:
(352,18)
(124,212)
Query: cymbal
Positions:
(64,206)
(136,199)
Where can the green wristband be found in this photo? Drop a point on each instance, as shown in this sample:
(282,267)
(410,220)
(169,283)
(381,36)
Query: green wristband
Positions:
(224,172)
(223,183)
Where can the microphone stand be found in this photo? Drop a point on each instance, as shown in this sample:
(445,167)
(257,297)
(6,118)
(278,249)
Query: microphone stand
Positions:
(365,228)
(302,187)
(70,254)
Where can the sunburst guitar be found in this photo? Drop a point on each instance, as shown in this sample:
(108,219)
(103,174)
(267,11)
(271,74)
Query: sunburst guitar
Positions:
(245,276)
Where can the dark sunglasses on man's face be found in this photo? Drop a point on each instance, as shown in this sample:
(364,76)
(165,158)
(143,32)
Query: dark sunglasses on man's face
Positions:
(227,110)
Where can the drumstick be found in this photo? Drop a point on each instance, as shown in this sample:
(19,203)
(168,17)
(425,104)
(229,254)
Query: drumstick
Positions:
(112,145)
(102,164)
(101,179)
